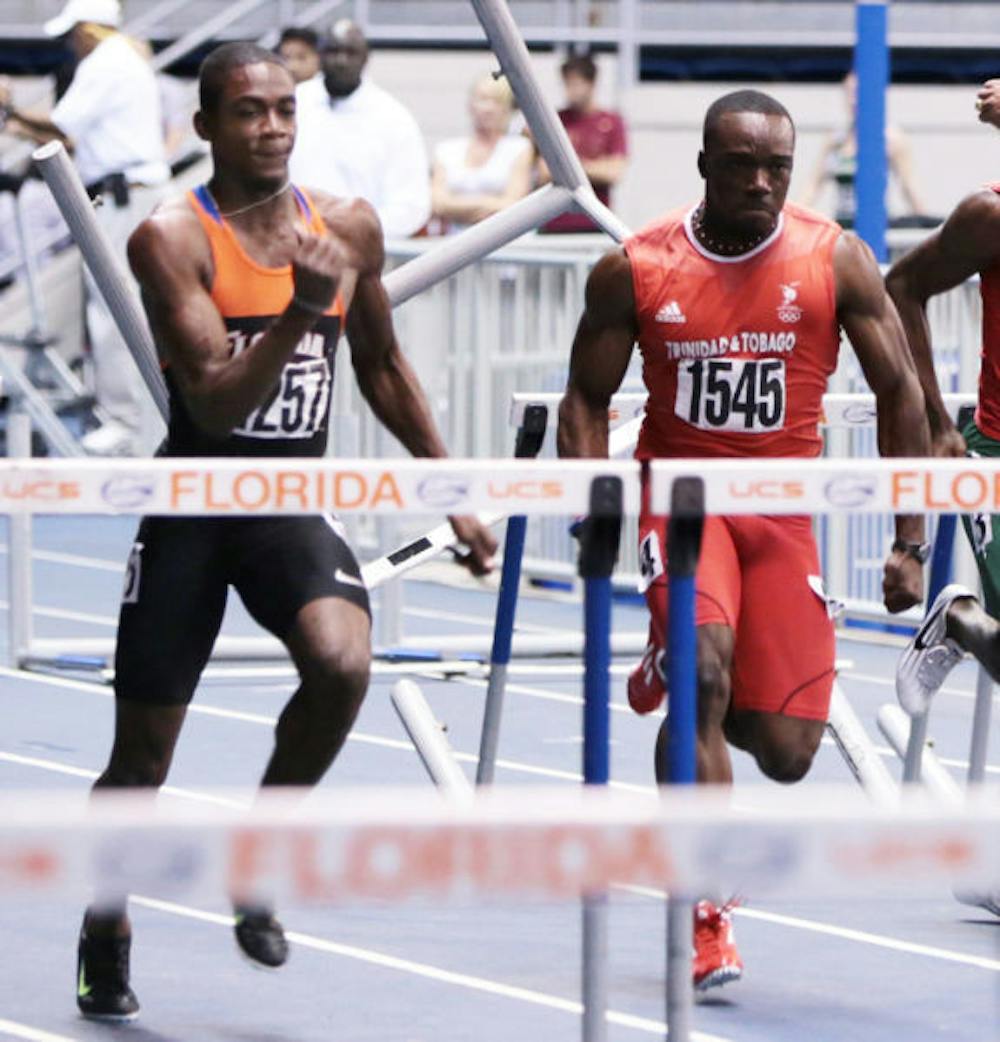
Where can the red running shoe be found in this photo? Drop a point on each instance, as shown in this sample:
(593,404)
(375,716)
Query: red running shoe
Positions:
(645,684)
(716,960)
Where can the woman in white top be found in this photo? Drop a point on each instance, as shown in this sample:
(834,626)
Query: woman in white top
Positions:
(474,177)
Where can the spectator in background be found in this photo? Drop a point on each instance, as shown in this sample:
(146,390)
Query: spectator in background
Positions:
(474,177)
(356,140)
(598,136)
(300,49)
(109,118)
(838,165)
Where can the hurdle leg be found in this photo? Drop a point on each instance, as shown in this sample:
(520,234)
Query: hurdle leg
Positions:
(892,722)
(19,627)
(429,740)
(980,728)
(530,435)
(687,513)
(858,750)
(598,552)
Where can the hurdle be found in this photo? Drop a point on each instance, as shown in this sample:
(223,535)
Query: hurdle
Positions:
(219,487)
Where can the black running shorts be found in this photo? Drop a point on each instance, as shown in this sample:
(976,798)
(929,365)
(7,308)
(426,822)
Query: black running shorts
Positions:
(177,581)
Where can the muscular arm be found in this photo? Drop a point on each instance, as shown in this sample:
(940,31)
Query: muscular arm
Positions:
(601,351)
(384,376)
(969,241)
(605,171)
(868,317)
(170,258)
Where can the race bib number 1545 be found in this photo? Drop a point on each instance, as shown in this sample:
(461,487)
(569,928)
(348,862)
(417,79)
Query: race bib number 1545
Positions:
(745,395)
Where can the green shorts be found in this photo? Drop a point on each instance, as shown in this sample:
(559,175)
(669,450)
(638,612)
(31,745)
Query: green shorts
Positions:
(983,530)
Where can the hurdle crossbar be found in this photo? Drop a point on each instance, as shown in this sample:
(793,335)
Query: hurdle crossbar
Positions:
(283,487)
(554,842)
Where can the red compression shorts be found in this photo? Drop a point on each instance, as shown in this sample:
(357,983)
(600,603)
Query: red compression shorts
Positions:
(760,577)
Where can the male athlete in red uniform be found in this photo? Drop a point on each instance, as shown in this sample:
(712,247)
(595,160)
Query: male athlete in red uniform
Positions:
(737,305)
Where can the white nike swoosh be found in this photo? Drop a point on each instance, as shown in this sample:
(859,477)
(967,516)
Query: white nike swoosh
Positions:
(347,579)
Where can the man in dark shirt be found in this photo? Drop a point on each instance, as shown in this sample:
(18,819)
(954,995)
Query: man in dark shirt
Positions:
(598,136)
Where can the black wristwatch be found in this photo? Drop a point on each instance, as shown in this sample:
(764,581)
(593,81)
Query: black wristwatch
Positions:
(919,551)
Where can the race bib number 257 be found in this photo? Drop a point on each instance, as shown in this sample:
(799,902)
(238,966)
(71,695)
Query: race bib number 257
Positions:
(745,395)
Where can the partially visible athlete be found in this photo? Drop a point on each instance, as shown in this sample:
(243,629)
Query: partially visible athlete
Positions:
(737,305)
(248,283)
(967,244)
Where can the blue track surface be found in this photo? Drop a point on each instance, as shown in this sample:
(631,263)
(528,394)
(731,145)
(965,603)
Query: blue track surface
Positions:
(918,967)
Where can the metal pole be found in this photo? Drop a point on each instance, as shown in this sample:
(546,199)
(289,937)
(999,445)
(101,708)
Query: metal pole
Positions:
(115,286)
(529,442)
(871,64)
(687,515)
(598,552)
(892,722)
(944,545)
(916,745)
(944,548)
(628,45)
(512,53)
(30,272)
(19,547)
(859,751)
(429,739)
(457,252)
(980,728)
(205,32)
(588,202)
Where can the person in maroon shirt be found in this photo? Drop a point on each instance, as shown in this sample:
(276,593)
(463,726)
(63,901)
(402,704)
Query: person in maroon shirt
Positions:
(597,135)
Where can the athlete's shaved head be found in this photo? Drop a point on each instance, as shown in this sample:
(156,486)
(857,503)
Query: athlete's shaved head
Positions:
(220,63)
(741,101)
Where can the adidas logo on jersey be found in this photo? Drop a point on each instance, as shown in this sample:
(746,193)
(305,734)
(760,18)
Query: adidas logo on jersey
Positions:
(671,313)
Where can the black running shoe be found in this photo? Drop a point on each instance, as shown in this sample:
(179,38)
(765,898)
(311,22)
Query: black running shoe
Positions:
(102,988)
(260,936)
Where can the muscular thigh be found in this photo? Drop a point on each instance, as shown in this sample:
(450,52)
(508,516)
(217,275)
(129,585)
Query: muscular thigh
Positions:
(783,662)
(172,605)
(717,582)
(281,565)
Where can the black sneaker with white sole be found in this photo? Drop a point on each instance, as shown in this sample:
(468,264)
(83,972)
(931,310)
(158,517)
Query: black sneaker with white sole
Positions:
(102,978)
(260,936)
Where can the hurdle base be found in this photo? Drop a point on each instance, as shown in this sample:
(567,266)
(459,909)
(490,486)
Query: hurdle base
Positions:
(895,727)
(97,653)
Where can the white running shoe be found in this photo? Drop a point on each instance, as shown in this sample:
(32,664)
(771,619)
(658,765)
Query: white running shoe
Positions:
(930,656)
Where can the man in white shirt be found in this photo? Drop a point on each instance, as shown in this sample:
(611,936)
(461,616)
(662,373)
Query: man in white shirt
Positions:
(110,119)
(355,139)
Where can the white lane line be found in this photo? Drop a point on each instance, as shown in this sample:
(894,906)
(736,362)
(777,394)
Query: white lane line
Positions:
(90,775)
(844,933)
(359,737)
(957,692)
(428,972)
(11,1029)
(77,560)
(67,614)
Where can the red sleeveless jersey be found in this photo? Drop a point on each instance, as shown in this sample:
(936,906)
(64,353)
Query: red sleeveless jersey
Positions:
(736,350)
(988,406)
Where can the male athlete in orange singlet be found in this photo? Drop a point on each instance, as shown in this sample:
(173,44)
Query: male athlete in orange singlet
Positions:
(248,283)
(737,305)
